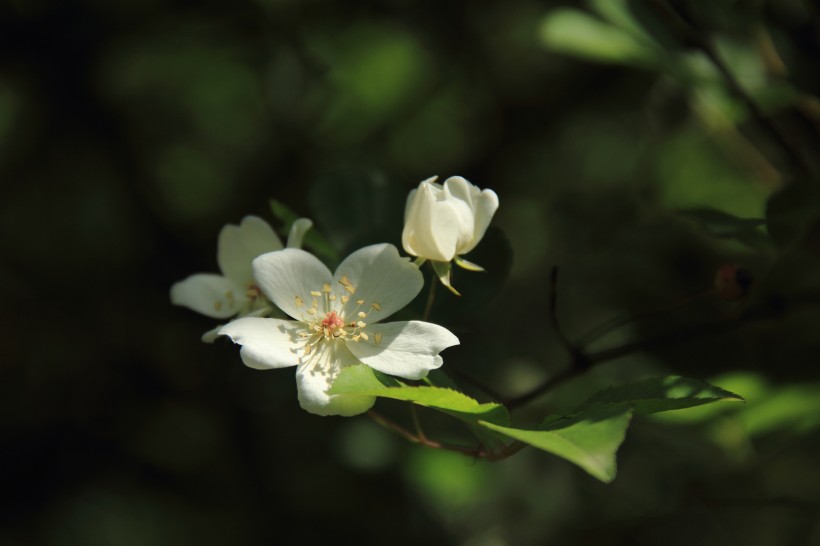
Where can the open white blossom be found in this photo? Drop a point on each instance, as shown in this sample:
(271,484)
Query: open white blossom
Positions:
(442,222)
(235,292)
(337,323)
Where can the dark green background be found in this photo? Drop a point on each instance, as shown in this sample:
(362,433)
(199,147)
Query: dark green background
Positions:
(130,132)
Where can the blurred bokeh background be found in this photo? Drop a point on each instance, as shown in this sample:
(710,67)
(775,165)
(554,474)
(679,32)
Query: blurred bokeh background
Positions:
(622,142)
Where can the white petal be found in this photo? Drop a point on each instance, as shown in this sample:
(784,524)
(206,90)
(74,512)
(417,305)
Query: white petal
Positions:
(297,232)
(485,206)
(212,295)
(379,276)
(412,195)
(211,335)
(288,276)
(406,349)
(237,246)
(461,193)
(266,342)
(432,226)
(314,378)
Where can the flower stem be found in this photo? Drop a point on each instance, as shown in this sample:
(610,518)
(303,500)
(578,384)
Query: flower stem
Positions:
(431,297)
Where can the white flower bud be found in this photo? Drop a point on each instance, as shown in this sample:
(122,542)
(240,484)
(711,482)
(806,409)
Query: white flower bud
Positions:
(442,222)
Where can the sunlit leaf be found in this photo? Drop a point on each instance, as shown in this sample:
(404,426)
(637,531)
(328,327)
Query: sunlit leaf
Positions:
(590,439)
(363,380)
(661,394)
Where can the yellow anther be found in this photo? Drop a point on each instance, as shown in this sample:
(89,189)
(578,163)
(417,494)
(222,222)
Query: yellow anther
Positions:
(345,299)
(349,288)
(343,281)
(332,297)
(377,338)
(308,348)
(361,324)
(376,306)
(312,311)
(362,314)
(315,293)
(360,302)
(356,337)
(326,288)
(314,303)
(363,336)
(299,301)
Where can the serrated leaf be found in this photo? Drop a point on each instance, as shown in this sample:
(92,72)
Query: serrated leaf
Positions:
(660,394)
(363,380)
(590,440)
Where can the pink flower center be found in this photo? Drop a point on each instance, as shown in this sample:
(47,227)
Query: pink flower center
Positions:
(332,321)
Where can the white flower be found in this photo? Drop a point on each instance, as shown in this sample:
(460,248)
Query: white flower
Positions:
(337,323)
(442,222)
(235,292)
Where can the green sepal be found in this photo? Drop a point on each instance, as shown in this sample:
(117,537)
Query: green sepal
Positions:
(442,270)
(466,264)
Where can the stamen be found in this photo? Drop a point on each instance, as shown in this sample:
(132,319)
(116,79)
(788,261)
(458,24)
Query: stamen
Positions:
(315,293)
(326,288)
(360,302)
(361,324)
(312,311)
(343,281)
(345,299)
(362,314)
(299,301)
(332,297)
(377,338)
(376,306)
(350,288)
(363,336)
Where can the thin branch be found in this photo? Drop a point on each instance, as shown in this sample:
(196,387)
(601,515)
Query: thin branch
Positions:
(477,453)
(489,391)
(772,308)
(553,310)
(614,323)
(691,36)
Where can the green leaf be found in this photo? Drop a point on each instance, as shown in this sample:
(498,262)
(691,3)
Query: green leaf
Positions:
(574,32)
(660,394)
(362,380)
(314,240)
(590,439)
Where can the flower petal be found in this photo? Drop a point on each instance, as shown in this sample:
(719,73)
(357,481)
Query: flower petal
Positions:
(212,295)
(315,377)
(266,342)
(486,203)
(297,232)
(407,349)
(211,335)
(287,278)
(381,278)
(237,246)
(457,191)
(431,229)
